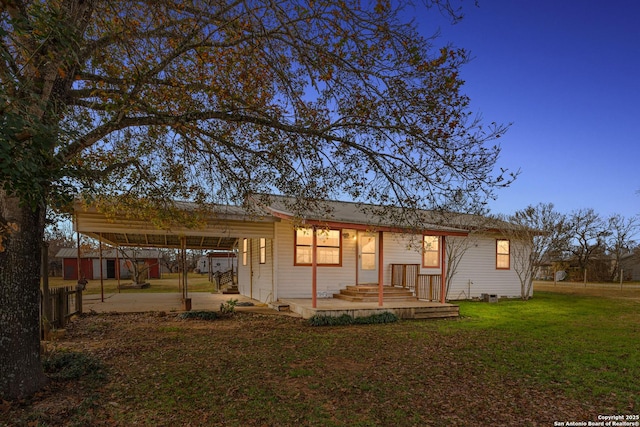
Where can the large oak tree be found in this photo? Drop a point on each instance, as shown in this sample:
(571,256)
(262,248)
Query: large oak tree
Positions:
(209,101)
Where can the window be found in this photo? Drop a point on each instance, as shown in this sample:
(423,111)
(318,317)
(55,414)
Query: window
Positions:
(263,250)
(328,242)
(431,251)
(245,250)
(502,254)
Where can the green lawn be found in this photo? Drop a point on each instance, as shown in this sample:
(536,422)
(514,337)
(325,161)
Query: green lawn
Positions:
(553,358)
(583,345)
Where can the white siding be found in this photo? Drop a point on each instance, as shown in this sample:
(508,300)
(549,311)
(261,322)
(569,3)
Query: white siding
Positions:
(280,278)
(295,281)
(255,280)
(244,271)
(477,273)
(402,249)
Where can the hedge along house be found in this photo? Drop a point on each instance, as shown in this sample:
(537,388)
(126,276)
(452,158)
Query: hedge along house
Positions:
(115,263)
(344,256)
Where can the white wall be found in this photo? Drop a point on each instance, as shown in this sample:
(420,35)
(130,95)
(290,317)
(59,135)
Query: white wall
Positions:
(402,249)
(295,281)
(255,280)
(477,266)
(477,273)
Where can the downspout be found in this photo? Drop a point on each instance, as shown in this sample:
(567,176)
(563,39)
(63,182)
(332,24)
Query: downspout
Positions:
(274,270)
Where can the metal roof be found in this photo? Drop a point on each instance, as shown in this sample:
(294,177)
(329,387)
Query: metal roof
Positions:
(222,228)
(110,253)
(226,223)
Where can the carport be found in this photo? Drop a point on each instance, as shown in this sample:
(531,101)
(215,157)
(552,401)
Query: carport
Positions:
(221,230)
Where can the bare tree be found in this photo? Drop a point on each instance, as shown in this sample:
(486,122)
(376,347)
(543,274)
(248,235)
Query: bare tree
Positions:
(169,259)
(136,264)
(589,233)
(621,241)
(533,232)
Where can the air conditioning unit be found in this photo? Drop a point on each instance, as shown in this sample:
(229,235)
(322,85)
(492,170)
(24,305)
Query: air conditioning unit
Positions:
(489,297)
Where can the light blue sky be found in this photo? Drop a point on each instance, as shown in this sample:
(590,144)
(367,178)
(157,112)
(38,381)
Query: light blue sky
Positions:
(566,73)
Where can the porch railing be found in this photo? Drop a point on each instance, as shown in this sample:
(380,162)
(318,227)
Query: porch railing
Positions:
(405,275)
(423,286)
(429,287)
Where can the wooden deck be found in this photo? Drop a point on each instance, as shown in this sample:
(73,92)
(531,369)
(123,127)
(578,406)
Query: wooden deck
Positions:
(362,306)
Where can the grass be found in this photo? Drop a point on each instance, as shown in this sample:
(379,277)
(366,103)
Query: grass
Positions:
(554,358)
(167,284)
(582,345)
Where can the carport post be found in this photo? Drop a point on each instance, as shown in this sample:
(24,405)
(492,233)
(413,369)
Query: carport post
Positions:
(118,266)
(183,248)
(78,252)
(101,274)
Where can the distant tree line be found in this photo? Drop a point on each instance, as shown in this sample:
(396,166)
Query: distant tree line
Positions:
(583,243)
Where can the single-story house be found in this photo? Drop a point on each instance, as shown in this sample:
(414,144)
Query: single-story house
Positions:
(329,252)
(284,255)
(114,264)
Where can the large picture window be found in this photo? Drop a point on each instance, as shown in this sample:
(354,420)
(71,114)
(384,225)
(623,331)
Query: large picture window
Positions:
(502,254)
(431,251)
(328,242)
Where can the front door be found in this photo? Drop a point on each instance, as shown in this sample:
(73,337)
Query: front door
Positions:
(367,258)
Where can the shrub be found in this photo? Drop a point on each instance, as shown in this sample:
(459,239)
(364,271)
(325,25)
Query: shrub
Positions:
(71,365)
(198,315)
(385,317)
(228,307)
(345,319)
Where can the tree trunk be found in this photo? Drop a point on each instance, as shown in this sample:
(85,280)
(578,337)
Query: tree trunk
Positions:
(21,231)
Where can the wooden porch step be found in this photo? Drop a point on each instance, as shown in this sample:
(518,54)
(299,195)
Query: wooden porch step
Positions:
(405,293)
(374,298)
(371,288)
(369,293)
(437,312)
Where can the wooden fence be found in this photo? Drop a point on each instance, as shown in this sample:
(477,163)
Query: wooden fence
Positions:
(423,286)
(58,306)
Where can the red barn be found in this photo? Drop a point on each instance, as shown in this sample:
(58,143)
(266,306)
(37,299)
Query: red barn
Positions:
(111,269)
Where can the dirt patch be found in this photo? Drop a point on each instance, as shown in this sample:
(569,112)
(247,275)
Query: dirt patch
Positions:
(269,370)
